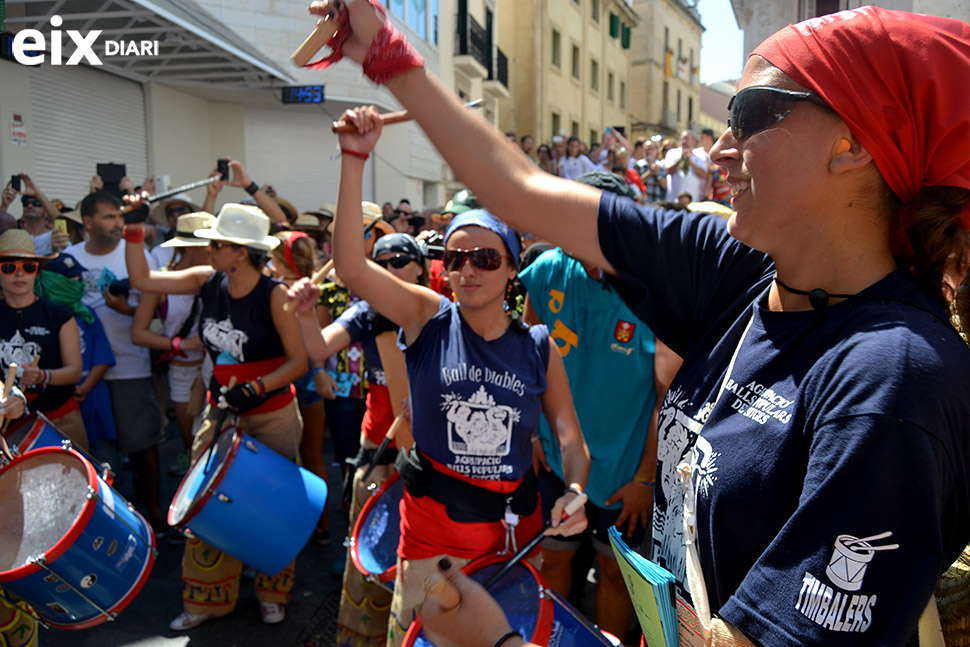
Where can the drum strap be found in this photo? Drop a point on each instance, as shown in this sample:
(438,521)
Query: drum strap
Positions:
(463,501)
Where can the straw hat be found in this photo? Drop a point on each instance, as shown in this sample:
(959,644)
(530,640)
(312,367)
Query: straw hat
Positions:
(372,214)
(74,216)
(308,221)
(241,225)
(16,243)
(158,211)
(188,224)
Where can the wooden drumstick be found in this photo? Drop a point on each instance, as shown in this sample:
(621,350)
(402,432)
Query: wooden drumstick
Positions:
(7,385)
(317,277)
(390,118)
(319,37)
(440,589)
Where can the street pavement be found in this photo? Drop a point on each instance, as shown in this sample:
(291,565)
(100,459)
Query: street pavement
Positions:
(310,616)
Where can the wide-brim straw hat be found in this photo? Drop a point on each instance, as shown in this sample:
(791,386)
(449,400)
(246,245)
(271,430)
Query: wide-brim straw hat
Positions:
(241,224)
(371,213)
(16,243)
(74,216)
(157,213)
(188,225)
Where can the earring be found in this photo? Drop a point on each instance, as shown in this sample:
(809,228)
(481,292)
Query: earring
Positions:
(512,312)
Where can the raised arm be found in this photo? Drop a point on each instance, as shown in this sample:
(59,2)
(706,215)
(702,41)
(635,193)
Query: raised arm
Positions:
(187,281)
(409,306)
(503,179)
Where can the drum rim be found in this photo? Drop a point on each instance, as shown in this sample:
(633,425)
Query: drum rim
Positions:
(32,432)
(203,497)
(77,527)
(573,611)
(544,620)
(391,573)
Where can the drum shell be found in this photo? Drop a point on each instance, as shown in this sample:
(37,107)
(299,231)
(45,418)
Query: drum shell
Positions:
(373,537)
(255,489)
(537,631)
(36,431)
(107,554)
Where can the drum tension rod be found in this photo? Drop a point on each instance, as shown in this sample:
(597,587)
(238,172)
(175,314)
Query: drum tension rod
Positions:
(94,495)
(42,562)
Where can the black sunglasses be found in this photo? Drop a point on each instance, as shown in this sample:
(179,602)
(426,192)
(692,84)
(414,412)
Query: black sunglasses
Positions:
(756,108)
(397,261)
(31,203)
(483,258)
(177,211)
(11,267)
(219,244)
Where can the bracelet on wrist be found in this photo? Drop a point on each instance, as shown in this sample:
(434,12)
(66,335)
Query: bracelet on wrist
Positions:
(363,156)
(262,387)
(575,489)
(177,344)
(317,370)
(506,637)
(134,234)
(252,188)
(643,481)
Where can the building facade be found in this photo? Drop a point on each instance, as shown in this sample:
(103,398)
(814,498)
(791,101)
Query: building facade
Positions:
(569,66)
(665,69)
(212,86)
(761,18)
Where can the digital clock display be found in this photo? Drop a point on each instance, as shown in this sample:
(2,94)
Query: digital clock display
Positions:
(303,94)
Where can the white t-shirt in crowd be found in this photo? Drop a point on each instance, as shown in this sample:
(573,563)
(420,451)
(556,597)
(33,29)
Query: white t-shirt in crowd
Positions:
(572,167)
(42,244)
(678,181)
(131,361)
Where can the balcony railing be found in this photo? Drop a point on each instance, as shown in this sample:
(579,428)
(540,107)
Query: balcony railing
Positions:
(473,39)
(500,70)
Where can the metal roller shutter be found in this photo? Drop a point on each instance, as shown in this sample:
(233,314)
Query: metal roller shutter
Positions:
(82,116)
(292,150)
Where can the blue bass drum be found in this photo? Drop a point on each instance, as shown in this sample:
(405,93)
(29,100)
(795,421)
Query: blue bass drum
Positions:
(250,502)
(70,546)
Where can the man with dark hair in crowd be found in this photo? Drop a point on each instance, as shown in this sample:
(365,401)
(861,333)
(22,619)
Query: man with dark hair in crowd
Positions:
(136,413)
(400,219)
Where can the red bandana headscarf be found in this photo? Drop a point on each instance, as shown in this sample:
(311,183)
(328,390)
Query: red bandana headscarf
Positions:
(901,82)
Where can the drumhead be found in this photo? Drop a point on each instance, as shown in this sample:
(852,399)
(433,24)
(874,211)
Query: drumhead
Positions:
(197,479)
(42,495)
(377,531)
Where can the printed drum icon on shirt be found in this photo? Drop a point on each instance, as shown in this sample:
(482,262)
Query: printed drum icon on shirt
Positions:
(478,426)
(851,558)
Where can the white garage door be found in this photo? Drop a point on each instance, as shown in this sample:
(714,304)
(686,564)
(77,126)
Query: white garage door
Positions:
(82,117)
(292,150)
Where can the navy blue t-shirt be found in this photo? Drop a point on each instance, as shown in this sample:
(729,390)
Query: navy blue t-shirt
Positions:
(357,322)
(829,478)
(475,403)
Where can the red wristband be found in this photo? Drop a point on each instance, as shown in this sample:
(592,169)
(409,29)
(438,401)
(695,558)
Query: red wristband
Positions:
(363,156)
(135,235)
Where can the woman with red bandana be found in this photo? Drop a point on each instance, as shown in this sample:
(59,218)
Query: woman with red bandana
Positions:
(813,446)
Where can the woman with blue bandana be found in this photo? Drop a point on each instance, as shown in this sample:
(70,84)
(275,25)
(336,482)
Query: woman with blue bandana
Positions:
(478,378)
